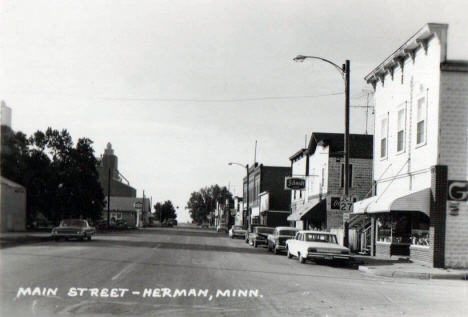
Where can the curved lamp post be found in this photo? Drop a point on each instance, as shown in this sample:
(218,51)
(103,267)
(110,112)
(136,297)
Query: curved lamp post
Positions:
(247,169)
(344,71)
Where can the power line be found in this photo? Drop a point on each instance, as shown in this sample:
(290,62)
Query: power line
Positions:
(201,100)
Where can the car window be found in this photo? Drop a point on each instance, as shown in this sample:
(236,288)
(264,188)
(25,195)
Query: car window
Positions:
(287,232)
(318,237)
(297,236)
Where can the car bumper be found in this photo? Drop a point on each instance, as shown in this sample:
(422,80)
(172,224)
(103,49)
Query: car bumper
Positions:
(329,257)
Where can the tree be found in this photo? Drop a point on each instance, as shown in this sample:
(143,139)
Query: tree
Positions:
(165,211)
(61,179)
(203,202)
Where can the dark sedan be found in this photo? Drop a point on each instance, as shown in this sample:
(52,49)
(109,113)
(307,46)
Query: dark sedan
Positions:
(259,236)
(73,229)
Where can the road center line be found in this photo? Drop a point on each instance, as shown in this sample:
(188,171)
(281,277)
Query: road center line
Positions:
(157,246)
(123,271)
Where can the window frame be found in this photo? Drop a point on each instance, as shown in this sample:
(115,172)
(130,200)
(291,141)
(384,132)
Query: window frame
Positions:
(419,120)
(384,118)
(403,128)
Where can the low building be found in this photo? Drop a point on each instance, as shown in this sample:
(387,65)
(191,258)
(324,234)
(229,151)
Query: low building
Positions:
(130,209)
(419,208)
(13,206)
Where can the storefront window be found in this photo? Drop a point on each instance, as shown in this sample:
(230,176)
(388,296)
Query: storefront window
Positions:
(402,226)
(420,229)
(384,231)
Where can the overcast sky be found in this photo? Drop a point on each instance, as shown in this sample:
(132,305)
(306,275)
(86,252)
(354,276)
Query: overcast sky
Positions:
(181,88)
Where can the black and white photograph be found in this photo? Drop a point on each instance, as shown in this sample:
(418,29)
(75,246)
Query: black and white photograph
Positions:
(234,158)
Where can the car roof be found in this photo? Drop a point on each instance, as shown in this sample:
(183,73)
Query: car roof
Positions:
(287,228)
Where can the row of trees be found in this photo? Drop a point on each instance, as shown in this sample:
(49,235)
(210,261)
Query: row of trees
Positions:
(202,202)
(61,177)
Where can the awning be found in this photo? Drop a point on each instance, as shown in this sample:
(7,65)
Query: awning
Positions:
(298,213)
(409,201)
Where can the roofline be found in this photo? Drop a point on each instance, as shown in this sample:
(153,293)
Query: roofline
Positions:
(408,48)
(298,153)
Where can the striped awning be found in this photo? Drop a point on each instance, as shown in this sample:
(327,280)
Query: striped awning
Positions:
(409,201)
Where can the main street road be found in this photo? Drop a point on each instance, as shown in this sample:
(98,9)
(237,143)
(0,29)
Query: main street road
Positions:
(198,272)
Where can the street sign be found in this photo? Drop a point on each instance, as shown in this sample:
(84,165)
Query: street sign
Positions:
(346,202)
(138,205)
(294,183)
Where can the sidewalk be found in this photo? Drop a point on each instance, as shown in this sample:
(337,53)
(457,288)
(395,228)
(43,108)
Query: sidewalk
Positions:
(9,239)
(402,267)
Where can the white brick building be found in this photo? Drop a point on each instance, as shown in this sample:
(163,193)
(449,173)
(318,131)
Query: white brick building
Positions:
(421,145)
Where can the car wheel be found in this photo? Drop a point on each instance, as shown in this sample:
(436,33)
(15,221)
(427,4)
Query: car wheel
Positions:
(301,259)
(57,239)
(89,238)
(269,247)
(275,250)
(82,238)
(255,244)
(289,255)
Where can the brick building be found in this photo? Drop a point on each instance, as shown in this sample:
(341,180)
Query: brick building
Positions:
(322,167)
(420,160)
(269,202)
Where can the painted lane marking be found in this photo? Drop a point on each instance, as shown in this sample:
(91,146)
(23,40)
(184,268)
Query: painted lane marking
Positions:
(124,271)
(156,247)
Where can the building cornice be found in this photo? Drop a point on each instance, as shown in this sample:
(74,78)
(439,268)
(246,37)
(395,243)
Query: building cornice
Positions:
(408,50)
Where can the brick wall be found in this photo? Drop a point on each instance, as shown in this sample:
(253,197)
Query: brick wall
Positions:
(421,254)
(453,153)
(361,185)
(382,249)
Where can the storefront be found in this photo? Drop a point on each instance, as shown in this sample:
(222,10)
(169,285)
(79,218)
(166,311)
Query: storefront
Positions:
(311,215)
(401,222)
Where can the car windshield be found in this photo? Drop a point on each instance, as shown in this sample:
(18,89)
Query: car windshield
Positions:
(265,230)
(318,237)
(239,228)
(73,223)
(291,233)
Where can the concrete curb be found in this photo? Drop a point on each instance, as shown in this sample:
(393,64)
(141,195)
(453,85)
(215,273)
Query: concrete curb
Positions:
(415,275)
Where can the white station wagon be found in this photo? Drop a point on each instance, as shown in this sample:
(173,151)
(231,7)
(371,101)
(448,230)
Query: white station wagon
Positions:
(316,245)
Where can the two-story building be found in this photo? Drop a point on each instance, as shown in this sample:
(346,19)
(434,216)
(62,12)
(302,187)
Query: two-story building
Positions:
(269,202)
(317,206)
(420,160)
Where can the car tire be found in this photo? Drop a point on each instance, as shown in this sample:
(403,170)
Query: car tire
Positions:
(275,250)
(57,239)
(301,259)
(269,247)
(289,255)
(89,238)
(255,244)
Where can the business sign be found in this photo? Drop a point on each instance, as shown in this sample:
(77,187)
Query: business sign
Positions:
(265,202)
(458,190)
(138,205)
(294,183)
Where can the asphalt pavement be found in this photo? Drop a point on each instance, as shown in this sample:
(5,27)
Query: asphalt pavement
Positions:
(198,272)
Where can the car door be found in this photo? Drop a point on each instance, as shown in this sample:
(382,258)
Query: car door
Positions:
(295,244)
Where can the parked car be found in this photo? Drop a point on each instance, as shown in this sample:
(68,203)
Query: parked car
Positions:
(237,231)
(316,245)
(120,224)
(73,228)
(205,225)
(222,227)
(251,228)
(259,236)
(277,240)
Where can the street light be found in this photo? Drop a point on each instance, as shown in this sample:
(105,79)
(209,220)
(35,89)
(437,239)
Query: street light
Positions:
(247,169)
(344,71)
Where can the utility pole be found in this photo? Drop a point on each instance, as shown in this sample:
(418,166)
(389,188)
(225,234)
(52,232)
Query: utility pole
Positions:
(108,199)
(346,70)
